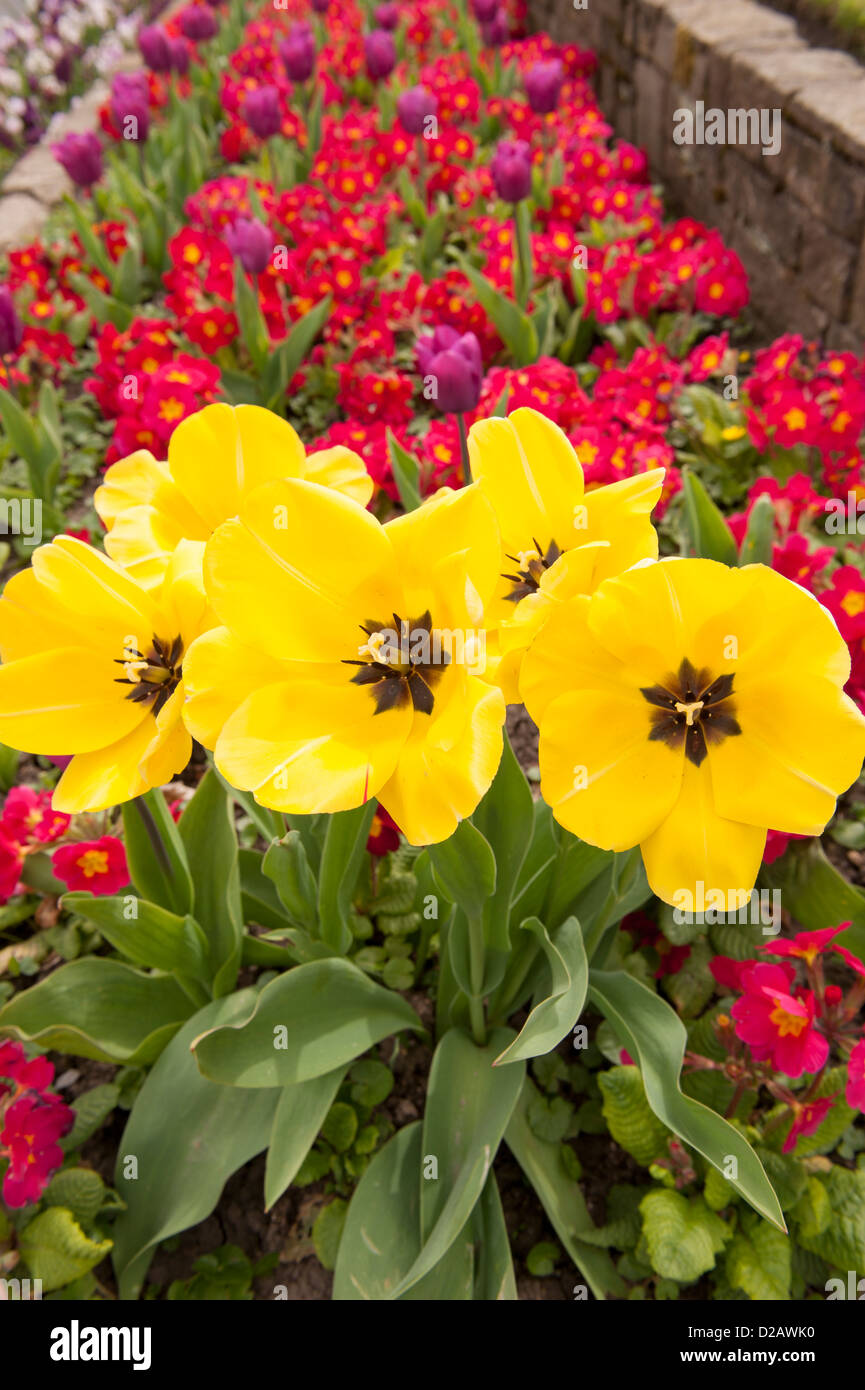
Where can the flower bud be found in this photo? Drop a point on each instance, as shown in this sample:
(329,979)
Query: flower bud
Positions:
(380,52)
(11,328)
(262,112)
(251,243)
(511,168)
(81,157)
(179,56)
(155,47)
(413,107)
(454,362)
(130,102)
(484,10)
(386,16)
(543,83)
(297,52)
(197,23)
(496,32)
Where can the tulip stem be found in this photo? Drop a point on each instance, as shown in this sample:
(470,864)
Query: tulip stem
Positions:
(464,449)
(476,976)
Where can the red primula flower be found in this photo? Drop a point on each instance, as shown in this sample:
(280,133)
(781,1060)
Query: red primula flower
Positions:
(807,1119)
(93,866)
(855,1089)
(805,945)
(775,1024)
(383,834)
(27,815)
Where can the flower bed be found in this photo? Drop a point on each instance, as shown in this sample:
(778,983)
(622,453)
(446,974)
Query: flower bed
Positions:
(356,320)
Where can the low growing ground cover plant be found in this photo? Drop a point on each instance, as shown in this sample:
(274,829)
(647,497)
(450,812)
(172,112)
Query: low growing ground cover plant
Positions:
(409,407)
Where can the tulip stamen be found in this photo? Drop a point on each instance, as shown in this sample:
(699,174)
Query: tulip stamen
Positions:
(155,676)
(531,566)
(692,709)
(400,663)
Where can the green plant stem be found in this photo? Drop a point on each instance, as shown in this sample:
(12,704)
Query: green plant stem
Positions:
(476,973)
(153,835)
(464,449)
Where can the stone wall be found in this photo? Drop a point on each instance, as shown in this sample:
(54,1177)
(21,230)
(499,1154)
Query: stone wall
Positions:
(795,218)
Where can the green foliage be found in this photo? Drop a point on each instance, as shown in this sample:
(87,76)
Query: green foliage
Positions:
(629,1117)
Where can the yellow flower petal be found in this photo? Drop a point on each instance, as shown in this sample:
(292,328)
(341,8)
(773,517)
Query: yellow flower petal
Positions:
(447,552)
(113,774)
(447,764)
(802,744)
(531,474)
(221,453)
(219,673)
(309,746)
(342,469)
(566,656)
(63,701)
(99,596)
(695,845)
(600,774)
(33,620)
(300,570)
(620,515)
(139,480)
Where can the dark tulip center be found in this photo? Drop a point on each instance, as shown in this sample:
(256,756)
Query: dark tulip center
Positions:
(692,708)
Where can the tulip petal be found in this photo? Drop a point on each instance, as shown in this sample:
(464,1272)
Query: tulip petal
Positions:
(308,746)
(801,745)
(567,655)
(99,596)
(219,673)
(300,570)
(448,553)
(341,469)
(64,701)
(448,764)
(221,453)
(531,474)
(695,845)
(603,778)
(116,773)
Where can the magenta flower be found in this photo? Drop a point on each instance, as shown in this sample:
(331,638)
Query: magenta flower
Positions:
(81,157)
(380,53)
(511,168)
(807,1119)
(262,111)
(855,1089)
(543,83)
(777,1025)
(453,363)
(251,243)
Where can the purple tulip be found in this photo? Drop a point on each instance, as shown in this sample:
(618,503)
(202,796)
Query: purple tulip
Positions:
(298,53)
(11,328)
(155,48)
(543,83)
(130,104)
(413,107)
(197,23)
(484,10)
(496,31)
(262,112)
(251,243)
(321,6)
(81,157)
(380,52)
(386,16)
(179,56)
(454,362)
(511,168)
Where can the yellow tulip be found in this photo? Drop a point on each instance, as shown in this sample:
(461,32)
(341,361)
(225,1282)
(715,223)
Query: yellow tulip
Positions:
(215,457)
(557,539)
(686,708)
(350,658)
(92,666)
